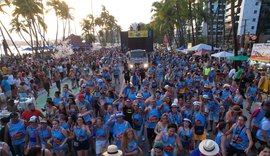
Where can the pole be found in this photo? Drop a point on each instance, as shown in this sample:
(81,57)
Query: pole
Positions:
(244,34)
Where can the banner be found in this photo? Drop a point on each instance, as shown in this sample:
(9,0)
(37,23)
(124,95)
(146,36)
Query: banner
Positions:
(138,34)
(260,52)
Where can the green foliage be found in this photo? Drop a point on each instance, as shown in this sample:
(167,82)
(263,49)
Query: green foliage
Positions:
(108,27)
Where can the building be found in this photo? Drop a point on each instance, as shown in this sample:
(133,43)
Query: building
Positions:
(252,17)
(263,28)
(218,9)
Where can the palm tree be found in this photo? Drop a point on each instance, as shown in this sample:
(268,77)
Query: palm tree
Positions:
(55,5)
(2,5)
(65,16)
(31,12)
(87,25)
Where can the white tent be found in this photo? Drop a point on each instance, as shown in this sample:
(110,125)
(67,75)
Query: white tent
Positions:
(201,47)
(222,54)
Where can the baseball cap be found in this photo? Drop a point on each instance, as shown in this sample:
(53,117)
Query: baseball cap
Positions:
(33,119)
(80,96)
(196,103)
(13,114)
(119,114)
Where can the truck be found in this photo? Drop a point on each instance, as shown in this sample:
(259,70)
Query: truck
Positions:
(137,45)
(137,57)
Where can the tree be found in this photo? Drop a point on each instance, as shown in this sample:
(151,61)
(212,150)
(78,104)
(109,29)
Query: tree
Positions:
(30,12)
(55,5)
(2,5)
(88,25)
(107,25)
(65,16)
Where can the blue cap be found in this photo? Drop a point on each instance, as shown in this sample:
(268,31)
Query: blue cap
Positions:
(90,83)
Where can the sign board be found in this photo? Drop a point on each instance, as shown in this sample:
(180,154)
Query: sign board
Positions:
(260,52)
(138,34)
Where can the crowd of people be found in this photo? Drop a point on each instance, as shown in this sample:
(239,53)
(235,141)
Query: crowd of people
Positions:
(180,105)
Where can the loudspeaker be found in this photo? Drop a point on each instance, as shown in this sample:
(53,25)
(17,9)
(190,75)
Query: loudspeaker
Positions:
(124,41)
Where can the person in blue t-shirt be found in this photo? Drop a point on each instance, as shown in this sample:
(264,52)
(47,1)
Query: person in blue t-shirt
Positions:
(6,86)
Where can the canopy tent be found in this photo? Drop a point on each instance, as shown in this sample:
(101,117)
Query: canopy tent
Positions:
(202,52)
(181,48)
(75,47)
(238,58)
(201,47)
(222,54)
(38,48)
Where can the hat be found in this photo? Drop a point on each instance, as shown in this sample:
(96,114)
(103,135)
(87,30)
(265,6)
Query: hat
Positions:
(90,83)
(80,96)
(212,68)
(236,109)
(207,86)
(139,95)
(43,121)
(226,85)
(206,97)
(33,119)
(119,114)
(13,114)
(158,145)
(209,147)
(112,150)
(196,103)
(188,120)
(70,96)
(174,105)
(266,103)
(167,87)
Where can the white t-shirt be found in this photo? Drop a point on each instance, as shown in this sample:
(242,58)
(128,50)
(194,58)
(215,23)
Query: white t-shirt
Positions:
(232,73)
(11,79)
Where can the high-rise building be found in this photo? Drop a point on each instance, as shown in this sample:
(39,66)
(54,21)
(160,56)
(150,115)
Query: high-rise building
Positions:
(218,10)
(251,17)
(263,27)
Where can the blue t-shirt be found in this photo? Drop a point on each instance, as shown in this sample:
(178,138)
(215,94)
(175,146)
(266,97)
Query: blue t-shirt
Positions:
(5,85)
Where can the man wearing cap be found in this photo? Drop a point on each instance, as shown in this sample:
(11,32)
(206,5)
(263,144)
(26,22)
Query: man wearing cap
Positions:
(225,96)
(174,116)
(152,118)
(146,93)
(119,127)
(199,121)
(32,139)
(126,90)
(15,130)
(82,102)
(31,111)
(137,120)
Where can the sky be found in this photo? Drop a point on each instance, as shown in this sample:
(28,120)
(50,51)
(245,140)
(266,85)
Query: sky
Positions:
(126,12)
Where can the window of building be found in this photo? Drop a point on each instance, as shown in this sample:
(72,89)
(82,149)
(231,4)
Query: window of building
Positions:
(257,3)
(255,11)
(252,27)
(254,20)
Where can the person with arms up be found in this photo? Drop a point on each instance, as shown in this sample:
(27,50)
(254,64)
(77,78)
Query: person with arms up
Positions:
(241,141)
